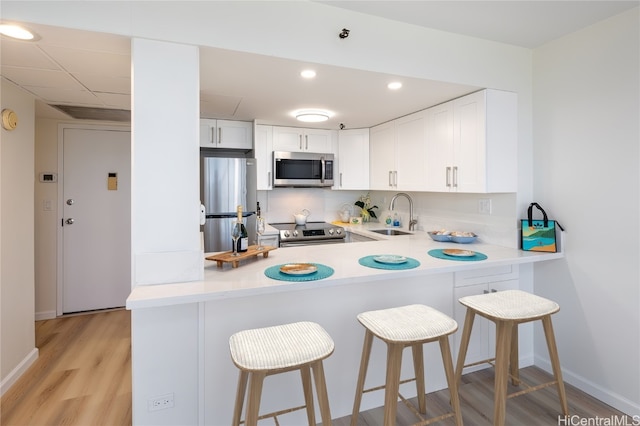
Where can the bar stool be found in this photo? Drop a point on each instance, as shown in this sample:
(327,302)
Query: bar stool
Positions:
(507,309)
(265,351)
(413,326)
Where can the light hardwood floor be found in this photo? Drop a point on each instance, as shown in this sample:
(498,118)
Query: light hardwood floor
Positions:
(83,377)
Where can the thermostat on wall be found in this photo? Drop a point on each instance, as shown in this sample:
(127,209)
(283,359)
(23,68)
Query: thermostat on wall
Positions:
(48,177)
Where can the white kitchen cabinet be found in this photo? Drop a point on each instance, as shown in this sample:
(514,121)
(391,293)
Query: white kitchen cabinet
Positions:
(226,134)
(468,283)
(472,144)
(296,139)
(397,151)
(263,152)
(353,159)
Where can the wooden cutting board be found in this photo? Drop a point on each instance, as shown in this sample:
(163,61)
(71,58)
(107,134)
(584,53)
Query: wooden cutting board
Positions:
(228,257)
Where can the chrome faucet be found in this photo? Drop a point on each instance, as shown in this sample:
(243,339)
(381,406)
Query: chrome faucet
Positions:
(412,221)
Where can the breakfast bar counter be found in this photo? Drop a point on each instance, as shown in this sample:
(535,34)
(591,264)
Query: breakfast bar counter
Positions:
(249,278)
(180,331)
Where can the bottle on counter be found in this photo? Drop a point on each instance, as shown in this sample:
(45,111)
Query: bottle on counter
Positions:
(243,242)
(396,219)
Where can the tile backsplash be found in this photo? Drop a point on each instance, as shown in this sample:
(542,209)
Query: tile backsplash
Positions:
(459,212)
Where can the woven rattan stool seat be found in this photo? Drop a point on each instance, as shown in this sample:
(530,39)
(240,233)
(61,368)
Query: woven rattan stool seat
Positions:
(507,309)
(262,352)
(511,305)
(402,327)
(413,323)
(281,346)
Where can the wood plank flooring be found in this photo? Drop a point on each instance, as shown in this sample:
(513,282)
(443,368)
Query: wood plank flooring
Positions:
(83,377)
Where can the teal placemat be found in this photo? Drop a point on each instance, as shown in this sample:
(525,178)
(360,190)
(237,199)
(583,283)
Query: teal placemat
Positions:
(440,255)
(371,263)
(323,271)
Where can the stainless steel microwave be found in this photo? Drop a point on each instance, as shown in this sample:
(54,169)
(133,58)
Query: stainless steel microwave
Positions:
(302,169)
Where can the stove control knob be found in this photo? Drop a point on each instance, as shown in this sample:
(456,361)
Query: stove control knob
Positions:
(286,234)
(338,231)
(330,231)
(295,232)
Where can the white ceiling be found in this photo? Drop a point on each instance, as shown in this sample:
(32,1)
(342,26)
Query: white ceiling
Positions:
(79,68)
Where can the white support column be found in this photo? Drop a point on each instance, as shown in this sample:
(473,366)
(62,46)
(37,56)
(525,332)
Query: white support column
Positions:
(165,204)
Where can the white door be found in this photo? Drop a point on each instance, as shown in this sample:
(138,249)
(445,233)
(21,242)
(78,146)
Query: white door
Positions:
(96,223)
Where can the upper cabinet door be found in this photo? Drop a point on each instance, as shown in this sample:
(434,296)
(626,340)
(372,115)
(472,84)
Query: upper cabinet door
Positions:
(382,157)
(264,157)
(353,159)
(296,139)
(411,146)
(439,155)
(472,144)
(235,134)
(226,134)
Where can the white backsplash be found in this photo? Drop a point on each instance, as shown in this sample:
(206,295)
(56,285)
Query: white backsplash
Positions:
(434,211)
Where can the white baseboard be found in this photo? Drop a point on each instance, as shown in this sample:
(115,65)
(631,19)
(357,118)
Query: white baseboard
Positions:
(45,315)
(15,374)
(607,396)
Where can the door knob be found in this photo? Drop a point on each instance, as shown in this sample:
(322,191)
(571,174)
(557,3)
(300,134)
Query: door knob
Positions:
(69,221)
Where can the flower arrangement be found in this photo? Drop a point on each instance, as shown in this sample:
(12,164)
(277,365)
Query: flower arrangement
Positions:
(366,208)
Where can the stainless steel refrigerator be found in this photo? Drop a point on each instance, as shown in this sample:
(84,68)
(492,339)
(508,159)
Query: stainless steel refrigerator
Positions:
(225,183)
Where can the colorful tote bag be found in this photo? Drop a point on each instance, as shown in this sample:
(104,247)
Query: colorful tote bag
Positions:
(539,235)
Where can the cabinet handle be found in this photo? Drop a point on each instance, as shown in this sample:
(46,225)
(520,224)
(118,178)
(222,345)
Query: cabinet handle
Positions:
(341,179)
(455,176)
(300,137)
(395,179)
(390,182)
(448,176)
(219,135)
(212,135)
(306,142)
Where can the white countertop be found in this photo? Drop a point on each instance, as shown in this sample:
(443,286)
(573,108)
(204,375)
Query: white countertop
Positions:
(249,278)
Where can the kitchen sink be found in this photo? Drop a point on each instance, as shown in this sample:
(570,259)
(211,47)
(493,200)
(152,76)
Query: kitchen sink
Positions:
(390,232)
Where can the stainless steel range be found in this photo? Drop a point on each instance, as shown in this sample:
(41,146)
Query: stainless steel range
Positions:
(311,233)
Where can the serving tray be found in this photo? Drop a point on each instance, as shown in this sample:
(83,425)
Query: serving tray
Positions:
(228,257)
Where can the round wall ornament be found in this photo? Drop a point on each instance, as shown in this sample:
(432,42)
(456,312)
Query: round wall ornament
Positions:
(9,119)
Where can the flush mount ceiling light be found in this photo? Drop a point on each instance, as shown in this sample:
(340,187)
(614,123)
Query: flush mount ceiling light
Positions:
(395,85)
(18,32)
(308,73)
(312,115)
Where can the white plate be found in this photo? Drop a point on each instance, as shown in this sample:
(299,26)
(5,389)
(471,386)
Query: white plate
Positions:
(459,253)
(298,268)
(389,258)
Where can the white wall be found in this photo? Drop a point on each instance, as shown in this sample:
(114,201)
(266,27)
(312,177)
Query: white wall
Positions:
(586,133)
(17,327)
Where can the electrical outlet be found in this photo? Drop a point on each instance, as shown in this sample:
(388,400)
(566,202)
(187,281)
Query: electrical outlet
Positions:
(484,206)
(160,402)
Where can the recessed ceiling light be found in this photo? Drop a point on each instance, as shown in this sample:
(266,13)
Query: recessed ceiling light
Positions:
(312,115)
(394,85)
(18,32)
(308,73)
